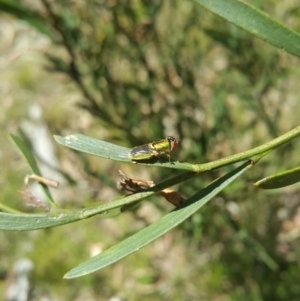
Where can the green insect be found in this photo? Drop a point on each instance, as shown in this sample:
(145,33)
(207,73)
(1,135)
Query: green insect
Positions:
(154,149)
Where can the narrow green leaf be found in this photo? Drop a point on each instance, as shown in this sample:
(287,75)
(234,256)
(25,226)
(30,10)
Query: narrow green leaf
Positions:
(58,217)
(108,150)
(25,222)
(157,229)
(111,151)
(279,180)
(256,23)
(95,147)
(254,245)
(26,152)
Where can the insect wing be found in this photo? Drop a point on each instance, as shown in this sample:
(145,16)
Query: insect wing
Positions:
(142,152)
(154,149)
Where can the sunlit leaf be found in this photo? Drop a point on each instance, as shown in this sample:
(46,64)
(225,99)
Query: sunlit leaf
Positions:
(112,151)
(256,23)
(157,229)
(58,217)
(279,180)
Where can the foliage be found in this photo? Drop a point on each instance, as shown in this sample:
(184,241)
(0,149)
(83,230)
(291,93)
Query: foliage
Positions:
(147,70)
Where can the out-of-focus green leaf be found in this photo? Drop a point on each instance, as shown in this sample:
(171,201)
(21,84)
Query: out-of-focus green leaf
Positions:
(58,63)
(260,250)
(255,22)
(33,165)
(282,179)
(32,18)
(157,229)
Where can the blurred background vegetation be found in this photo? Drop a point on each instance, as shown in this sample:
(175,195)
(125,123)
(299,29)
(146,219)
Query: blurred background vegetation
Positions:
(133,72)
